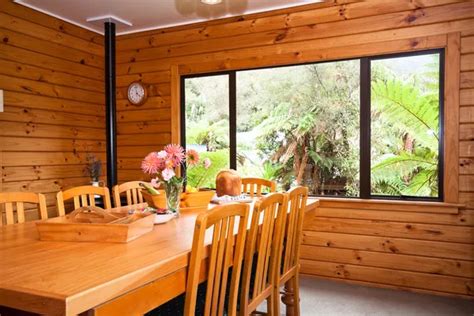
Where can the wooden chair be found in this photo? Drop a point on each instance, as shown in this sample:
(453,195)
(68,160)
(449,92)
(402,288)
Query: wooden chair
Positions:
(226,250)
(263,244)
(133,192)
(19,198)
(83,196)
(255,186)
(288,274)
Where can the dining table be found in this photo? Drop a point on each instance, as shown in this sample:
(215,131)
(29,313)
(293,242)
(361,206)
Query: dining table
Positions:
(97,278)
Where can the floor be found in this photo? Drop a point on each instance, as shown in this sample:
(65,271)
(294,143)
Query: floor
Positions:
(327,298)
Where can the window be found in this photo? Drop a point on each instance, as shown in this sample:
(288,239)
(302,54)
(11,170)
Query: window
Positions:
(405,125)
(207,125)
(368,127)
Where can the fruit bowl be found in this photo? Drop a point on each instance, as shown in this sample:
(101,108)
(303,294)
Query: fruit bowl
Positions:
(199,198)
(157,201)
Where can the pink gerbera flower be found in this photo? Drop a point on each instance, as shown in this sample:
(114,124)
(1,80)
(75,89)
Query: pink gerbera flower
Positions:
(151,163)
(192,157)
(176,152)
(168,174)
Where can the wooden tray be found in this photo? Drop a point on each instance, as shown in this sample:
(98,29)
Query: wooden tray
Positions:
(95,224)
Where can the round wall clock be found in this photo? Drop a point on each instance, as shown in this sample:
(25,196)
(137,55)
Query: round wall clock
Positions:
(137,94)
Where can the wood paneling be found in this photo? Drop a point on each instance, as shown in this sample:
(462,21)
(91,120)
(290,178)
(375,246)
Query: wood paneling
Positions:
(360,242)
(52,76)
(437,284)
(405,249)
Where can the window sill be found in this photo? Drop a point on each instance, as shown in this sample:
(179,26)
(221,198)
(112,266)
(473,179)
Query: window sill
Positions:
(390,205)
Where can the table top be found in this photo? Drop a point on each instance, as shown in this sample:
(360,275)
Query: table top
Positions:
(76,276)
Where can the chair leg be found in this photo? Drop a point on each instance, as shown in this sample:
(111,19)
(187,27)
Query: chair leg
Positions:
(276,301)
(270,305)
(288,297)
(296,295)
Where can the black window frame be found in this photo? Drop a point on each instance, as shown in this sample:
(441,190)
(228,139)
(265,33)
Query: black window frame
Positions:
(365,120)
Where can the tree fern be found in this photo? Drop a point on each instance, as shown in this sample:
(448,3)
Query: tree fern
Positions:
(405,107)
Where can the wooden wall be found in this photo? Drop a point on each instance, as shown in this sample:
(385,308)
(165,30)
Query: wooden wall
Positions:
(420,247)
(52,76)
(425,248)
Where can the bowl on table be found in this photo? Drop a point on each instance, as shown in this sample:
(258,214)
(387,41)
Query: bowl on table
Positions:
(161,218)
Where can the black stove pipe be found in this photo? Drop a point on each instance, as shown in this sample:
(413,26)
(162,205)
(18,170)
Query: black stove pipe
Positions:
(110,115)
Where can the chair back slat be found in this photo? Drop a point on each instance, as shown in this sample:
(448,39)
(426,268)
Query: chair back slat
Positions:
(129,197)
(217,282)
(134,196)
(256,186)
(82,196)
(77,202)
(92,200)
(263,246)
(9,213)
(132,191)
(288,273)
(226,250)
(212,265)
(294,225)
(14,204)
(84,200)
(20,212)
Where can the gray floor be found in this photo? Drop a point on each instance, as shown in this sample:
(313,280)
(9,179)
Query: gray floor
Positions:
(327,298)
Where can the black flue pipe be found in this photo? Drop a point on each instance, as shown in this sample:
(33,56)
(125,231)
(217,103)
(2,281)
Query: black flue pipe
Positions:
(110,115)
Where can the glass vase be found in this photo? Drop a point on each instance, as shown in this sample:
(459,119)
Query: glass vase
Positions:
(173,196)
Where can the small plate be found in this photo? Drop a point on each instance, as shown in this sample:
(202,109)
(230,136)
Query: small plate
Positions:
(163,218)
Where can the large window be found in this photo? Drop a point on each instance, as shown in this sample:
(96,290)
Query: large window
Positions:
(366,127)
(207,125)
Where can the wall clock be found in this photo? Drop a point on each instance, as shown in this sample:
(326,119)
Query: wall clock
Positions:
(137,93)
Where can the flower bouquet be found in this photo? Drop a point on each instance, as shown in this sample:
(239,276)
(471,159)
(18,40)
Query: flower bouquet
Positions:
(161,165)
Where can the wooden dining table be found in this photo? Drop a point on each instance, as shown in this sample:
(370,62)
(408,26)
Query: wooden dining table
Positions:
(70,278)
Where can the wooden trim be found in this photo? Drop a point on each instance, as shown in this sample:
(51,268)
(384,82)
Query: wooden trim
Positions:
(175,105)
(451,118)
(391,205)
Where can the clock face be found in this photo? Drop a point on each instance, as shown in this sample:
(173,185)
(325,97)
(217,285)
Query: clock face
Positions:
(136,93)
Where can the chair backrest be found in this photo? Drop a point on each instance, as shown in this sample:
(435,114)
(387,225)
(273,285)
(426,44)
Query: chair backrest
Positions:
(83,196)
(255,186)
(226,250)
(263,245)
(297,198)
(16,200)
(133,192)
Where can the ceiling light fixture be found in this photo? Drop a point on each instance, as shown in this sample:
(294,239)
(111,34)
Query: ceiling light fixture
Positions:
(211,2)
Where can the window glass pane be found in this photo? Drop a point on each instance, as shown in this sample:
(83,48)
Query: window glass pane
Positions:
(207,126)
(300,125)
(405,126)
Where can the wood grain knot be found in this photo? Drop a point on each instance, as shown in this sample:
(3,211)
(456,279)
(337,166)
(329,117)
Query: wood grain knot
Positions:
(411,18)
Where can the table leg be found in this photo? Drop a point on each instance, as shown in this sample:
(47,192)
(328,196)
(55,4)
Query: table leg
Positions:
(288,298)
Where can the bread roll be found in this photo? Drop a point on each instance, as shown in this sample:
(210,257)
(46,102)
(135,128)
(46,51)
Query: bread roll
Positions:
(228,182)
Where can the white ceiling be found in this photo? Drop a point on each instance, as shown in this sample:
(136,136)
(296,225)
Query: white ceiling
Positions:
(141,15)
